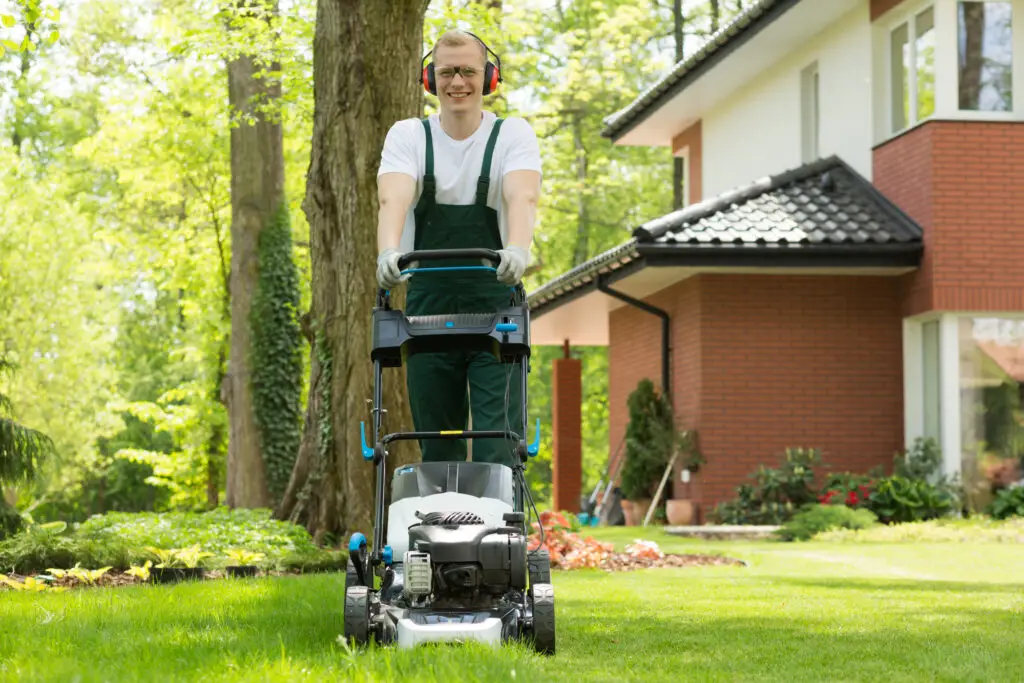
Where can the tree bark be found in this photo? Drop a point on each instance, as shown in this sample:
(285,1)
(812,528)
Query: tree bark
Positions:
(678,168)
(257,188)
(366,56)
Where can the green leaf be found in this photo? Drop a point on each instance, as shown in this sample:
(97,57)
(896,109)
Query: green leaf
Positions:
(54,37)
(10,45)
(7,20)
(53,14)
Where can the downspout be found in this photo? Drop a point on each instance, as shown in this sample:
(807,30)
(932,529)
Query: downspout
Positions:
(666,346)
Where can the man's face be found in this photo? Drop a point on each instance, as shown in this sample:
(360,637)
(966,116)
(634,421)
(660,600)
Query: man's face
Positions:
(461,91)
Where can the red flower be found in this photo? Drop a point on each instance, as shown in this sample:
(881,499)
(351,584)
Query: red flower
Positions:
(851,498)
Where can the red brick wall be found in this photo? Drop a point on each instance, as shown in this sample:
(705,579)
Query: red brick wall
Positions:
(567,457)
(692,139)
(962,181)
(813,361)
(762,362)
(634,353)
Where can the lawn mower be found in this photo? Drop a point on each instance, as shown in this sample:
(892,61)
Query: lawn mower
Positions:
(450,560)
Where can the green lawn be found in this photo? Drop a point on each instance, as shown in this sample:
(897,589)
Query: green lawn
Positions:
(812,611)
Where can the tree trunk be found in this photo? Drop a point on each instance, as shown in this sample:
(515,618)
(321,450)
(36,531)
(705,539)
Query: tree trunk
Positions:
(678,169)
(582,248)
(366,56)
(257,188)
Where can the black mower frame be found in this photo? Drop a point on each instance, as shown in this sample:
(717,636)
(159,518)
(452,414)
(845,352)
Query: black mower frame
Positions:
(505,333)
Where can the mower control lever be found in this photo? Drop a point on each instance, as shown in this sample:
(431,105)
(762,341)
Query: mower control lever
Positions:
(534,447)
(439,254)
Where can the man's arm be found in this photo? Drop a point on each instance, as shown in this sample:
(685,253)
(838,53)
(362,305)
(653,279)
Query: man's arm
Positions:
(395,194)
(521,191)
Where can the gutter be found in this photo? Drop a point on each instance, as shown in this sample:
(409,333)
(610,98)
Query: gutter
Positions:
(666,343)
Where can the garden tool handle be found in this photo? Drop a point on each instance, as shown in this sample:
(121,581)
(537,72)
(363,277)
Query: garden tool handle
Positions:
(438,254)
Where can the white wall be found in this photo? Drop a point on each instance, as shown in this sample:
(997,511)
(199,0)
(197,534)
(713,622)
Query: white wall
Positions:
(757,131)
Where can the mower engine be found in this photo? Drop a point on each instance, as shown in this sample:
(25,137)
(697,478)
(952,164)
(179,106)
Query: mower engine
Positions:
(454,557)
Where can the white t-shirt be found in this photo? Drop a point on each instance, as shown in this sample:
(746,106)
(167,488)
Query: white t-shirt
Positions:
(457,163)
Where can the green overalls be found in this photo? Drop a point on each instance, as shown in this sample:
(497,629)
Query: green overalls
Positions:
(437,381)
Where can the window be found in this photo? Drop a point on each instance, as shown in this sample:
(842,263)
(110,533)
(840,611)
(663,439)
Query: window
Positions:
(912,70)
(984,55)
(991,383)
(810,113)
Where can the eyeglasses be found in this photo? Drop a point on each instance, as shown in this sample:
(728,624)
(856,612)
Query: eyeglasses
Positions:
(448,72)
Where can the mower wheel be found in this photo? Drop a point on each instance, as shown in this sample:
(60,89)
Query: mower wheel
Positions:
(351,575)
(539,563)
(543,596)
(357,614)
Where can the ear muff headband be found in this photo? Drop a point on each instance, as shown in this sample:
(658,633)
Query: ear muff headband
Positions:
(492,73)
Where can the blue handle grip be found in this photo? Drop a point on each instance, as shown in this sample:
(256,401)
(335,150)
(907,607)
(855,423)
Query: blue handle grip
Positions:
(506,327)
(367,451)
(534,447)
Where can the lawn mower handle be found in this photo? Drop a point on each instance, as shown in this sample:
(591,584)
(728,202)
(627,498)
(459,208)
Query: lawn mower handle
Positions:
(432,254)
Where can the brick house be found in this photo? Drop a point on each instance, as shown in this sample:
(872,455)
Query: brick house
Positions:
(847,272)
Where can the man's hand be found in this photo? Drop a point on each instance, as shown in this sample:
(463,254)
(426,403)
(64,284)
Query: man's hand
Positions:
(513,265)
(389,275)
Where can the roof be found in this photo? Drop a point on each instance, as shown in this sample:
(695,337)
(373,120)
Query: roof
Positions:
(729,37)
(822,213)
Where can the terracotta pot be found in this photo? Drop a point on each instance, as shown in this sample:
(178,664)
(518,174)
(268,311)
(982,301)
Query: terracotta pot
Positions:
(640,508)
(627,512)
(680,511)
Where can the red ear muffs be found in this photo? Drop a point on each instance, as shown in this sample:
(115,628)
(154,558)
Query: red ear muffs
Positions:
(429,84)
(492,76)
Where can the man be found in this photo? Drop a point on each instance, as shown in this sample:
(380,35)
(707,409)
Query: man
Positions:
(461,178)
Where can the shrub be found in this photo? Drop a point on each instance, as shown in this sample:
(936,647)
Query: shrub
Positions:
(778,493)
(916,491)
(1009,502)
(215,531)
(650,438)
(120,540)
(815,519)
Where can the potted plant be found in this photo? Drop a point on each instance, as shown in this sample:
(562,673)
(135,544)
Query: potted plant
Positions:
(682,510)
(650,439)
(243,562)
(177,564)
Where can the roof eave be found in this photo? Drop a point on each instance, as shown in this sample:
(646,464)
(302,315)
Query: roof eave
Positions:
(890,255)
(901,255)
(718,47)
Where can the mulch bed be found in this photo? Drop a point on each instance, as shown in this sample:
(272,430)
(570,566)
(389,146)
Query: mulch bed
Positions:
(570,550)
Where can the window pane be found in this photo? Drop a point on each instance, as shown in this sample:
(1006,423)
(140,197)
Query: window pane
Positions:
(899,53)
(985,51)
(924,31)
(991,421)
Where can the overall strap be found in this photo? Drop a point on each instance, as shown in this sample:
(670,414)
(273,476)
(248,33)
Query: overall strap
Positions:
(484,183)
(428,177)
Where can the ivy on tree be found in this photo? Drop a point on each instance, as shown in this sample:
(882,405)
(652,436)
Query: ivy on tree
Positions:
(277,352)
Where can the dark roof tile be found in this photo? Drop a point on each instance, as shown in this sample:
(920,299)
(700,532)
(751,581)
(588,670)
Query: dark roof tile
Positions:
(810,209)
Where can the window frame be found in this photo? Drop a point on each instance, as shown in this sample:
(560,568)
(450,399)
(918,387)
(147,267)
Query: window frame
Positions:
(810,112)
(1016,39)
(908,16)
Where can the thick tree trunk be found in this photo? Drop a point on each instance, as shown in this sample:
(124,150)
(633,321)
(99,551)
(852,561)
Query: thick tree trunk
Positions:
(257,188)
(365,63)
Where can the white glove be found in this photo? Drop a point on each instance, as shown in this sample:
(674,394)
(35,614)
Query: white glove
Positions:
(513,265)
(389,275)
